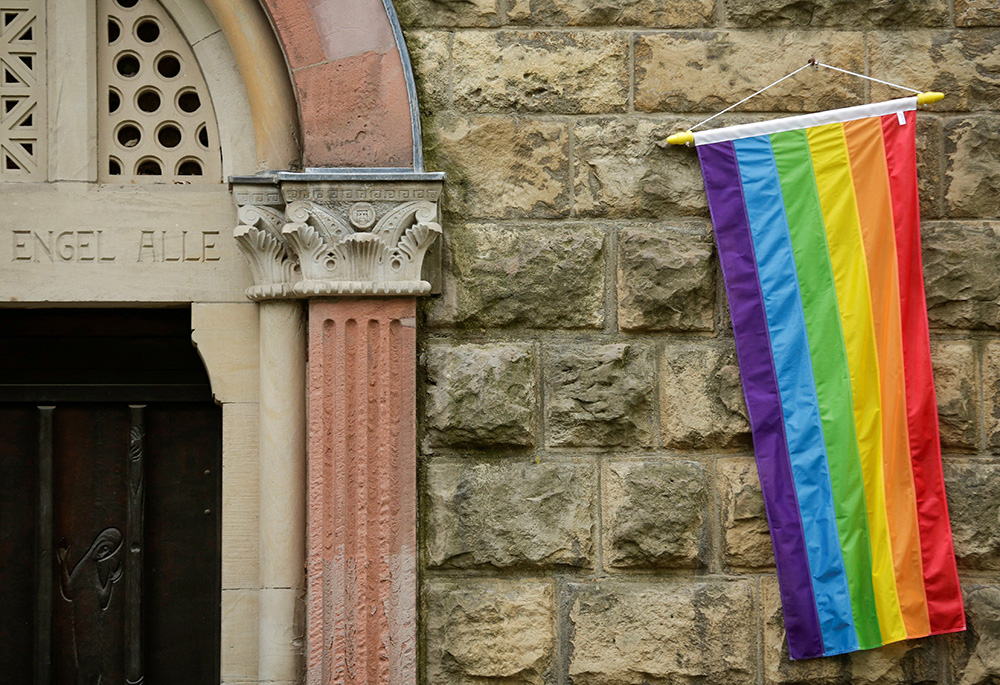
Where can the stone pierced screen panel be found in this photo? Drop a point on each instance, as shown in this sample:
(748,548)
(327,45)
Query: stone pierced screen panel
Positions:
(22,90)
(157,124)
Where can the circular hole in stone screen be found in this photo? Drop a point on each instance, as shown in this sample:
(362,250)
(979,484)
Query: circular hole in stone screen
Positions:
(169,136)
(189,167)
(128,135)
(114,31)
(168,66)
(148,100)
(203,135)
(148,167)
(114,100)
(127,65)
(114,167)
(188,101)
(147,30)
(127,4)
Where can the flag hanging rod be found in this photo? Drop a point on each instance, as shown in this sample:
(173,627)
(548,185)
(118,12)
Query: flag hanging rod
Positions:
(687,137)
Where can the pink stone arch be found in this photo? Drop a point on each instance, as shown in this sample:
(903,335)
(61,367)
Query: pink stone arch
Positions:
(353,82)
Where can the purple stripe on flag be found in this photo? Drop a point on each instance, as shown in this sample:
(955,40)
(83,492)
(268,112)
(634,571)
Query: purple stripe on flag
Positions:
(760,386)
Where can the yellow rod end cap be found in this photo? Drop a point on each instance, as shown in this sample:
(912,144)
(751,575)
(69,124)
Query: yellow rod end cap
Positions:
(682,138)
(929,98)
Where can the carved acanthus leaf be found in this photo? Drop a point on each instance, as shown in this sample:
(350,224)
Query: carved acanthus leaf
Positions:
(408,257)
(398,219)
(329,225)
(313,252)
(272,270)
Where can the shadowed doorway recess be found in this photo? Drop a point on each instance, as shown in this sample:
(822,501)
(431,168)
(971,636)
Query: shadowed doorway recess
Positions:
(110,463)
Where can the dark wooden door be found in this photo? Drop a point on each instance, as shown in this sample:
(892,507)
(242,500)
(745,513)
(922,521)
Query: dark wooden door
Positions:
(109,502)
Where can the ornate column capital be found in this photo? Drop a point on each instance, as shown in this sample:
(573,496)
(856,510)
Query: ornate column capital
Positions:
(339,233)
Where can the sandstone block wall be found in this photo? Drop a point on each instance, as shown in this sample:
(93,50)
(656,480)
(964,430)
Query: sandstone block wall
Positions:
(589,508)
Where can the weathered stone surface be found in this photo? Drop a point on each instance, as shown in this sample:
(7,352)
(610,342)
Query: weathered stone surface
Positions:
(675,14)
(701,399)
(991,395)
(929,165)
(965,65)
(503,167)
(976,652)
(977,13)
(960,273)
(541,71)
(431,59)
(655,514)
(448,13)
(705,71)
(972,176)
(544,277)
(957,393)
(625,168)
(666,279)
(911,661)
(489,631)
(481,396)
(511,514)
(627,633)
(598,395)
(974,507)
(888,13)
(745,532)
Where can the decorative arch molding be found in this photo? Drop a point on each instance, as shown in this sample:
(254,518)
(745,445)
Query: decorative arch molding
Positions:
(353,82)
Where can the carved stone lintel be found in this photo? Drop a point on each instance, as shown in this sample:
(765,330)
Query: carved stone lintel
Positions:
(338,237)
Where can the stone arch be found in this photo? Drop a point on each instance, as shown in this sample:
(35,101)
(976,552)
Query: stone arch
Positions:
(353,82)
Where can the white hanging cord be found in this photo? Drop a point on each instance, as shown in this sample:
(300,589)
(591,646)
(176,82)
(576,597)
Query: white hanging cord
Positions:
(876,80)
(810,63)
(749,97)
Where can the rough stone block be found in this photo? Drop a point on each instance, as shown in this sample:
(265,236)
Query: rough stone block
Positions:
(957,393)
(666,279)
(541,71)
(705,71)
(503,167)
(511,514)
(701,399)
(546,277)
(977,13)
(627,633)
(431,59)
(972,175)
(625,168)
(745,532)
(975,654)
(655,514)
(598,395)
(965,65)
(890,13)
(675,14)
(973,489)
(960,273)
(448,14)
(991,395)
(911,661)
(482,396)
(929,165)
(489,631)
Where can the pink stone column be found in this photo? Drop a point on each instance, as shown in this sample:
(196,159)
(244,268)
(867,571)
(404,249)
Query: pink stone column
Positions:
(361,548)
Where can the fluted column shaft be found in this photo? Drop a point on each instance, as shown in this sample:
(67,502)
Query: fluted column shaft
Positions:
(361,559)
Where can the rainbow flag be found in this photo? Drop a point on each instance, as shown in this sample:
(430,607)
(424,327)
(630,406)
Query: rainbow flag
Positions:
(818,230)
